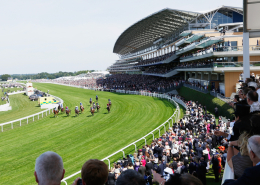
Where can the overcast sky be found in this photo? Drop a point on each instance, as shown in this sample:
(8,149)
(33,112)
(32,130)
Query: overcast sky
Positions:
(61,35)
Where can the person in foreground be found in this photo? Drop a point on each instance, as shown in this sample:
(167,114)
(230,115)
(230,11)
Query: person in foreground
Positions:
(93,172)
(177,179)
(49,169)
(251,175)
(130,177)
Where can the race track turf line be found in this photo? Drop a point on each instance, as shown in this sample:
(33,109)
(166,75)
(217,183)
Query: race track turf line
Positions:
(77,139)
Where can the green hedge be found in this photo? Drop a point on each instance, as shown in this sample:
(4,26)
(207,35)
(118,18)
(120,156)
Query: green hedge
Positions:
(206,99)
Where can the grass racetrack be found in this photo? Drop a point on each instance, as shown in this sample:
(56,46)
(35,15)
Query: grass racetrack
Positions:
(78,139)
(21,107)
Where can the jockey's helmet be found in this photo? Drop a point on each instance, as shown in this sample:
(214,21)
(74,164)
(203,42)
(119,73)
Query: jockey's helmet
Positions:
(66,107)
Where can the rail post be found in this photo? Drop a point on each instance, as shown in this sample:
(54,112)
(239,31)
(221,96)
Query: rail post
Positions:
(33,118)
(12,126)
(144,140)
(27,120)
(38,116)
(2,128)
(20,122)
(123,153)
(159,132)
(135,147)
(108,162)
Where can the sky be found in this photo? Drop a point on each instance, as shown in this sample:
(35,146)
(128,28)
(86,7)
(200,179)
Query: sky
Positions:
(62,35)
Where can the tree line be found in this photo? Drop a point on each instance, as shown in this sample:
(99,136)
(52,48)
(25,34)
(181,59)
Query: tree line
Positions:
(43,75)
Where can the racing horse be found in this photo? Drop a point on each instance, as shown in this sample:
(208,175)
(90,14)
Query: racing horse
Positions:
(108,109)
(56,112)
(92,111)
(76,112)
(98,107)
(110,104)
(61,109)
(81,108)
(68,112)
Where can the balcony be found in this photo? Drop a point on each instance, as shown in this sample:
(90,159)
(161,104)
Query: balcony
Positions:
(193,38)
(187,48)
(224,51)
(185,33)
(180,43)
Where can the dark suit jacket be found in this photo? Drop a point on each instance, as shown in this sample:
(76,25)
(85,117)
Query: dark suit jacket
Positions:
(160,169)
(141,170)
(250,177)
(199,152)
(111,179)
(149,167)
(192,167)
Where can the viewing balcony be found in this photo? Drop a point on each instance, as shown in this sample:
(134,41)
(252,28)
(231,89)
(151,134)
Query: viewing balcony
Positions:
(198,45)
(166,61)
(224,51)
(193,38)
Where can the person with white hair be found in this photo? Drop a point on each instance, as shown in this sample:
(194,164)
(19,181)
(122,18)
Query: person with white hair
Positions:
(250,175)
(49,169)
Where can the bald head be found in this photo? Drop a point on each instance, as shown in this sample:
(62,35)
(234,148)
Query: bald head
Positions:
(254,145)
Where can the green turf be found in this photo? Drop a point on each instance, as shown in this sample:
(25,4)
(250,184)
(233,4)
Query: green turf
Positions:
(206,99)
(21,107)
(5,90)
(80,138)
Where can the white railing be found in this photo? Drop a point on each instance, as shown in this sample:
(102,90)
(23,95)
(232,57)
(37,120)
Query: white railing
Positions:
(175,117)
(31,116)
(18,92)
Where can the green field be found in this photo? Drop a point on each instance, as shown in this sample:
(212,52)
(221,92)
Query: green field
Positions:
(5,90)
(78,139)
(21,107)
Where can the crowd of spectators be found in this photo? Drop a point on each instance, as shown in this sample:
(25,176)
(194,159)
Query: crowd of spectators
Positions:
(136,82)
(155,59)
(188,150)
(166,68)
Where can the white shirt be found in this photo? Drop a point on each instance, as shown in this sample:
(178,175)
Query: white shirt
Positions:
(258,92)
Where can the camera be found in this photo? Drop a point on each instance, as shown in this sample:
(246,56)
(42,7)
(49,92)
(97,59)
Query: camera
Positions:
(79,182)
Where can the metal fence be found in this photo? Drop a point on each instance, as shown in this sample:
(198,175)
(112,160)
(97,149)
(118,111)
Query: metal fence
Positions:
(174,118)
(36,116)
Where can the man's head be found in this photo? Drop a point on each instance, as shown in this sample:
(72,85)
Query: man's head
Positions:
(252,97)
(130,177)
(245,91)
(184,179)
(49,169)
(94,172)
(253,147)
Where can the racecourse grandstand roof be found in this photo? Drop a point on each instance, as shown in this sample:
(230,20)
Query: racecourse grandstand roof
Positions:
(161,24)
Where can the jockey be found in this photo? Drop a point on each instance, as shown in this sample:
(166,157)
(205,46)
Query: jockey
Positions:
(96,96)
(67,108)
(107,105)
(80,104)
(61,105)
(76,108)
(90,99)
(97,104)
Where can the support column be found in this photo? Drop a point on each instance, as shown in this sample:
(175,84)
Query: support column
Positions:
(209,76)
(229,59)
(202,76)
(218,76)
(196,75)
(246,57)
(185,77)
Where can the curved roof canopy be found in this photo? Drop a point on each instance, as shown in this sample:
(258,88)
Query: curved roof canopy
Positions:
(164,23)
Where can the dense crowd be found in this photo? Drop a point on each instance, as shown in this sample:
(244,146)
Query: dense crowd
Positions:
(155,59)
(187,151)
(138,82)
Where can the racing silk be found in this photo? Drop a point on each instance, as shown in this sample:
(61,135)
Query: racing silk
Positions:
(80,103)
(76,108)
(90,99)
(67,108)
(96,96)
(61,105)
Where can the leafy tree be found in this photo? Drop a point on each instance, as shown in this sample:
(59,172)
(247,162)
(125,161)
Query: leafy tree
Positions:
(5,77)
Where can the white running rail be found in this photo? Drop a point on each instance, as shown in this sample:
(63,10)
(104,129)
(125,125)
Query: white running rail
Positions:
(31,116)
(175,117)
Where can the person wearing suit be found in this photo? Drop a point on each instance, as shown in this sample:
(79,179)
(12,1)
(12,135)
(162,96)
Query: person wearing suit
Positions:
(251,175)
(149,166)
(111,178)
(160,168)
(199,151)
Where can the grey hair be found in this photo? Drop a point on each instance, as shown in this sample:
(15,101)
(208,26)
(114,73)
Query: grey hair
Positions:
(254,142)
(49,168)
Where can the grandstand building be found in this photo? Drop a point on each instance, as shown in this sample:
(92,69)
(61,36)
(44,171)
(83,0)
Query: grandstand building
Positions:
(201,47)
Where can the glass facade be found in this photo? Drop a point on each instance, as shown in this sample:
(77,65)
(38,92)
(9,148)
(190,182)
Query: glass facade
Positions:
(222,17)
